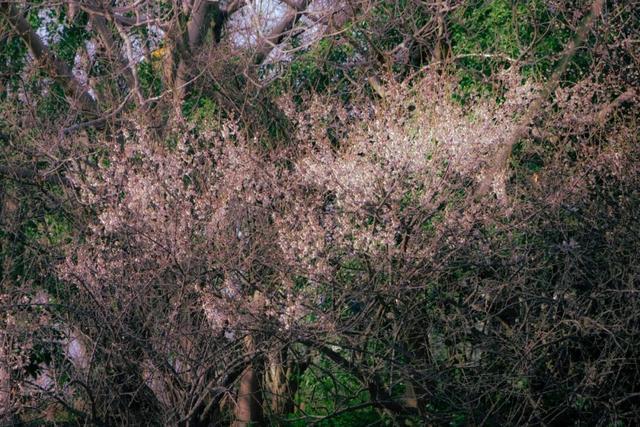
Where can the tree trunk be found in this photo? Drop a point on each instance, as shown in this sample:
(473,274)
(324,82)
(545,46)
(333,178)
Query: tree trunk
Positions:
(5,383)
(249,401)
(282,381)
(197,28)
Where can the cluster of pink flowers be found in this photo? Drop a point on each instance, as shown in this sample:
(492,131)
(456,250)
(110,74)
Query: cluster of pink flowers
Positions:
(226,221)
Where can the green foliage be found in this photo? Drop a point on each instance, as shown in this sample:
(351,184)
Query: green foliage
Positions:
(150,80)
(326,389)
(485,36)
(487,27)
(318,70)
(199,109)
(12,58)
(72,38)
(53,229)
(54,104)
(391,16)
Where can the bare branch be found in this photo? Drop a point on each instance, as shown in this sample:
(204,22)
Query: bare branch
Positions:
(280,31)
(58,69)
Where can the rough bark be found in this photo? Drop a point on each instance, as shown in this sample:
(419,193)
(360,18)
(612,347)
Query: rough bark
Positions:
(197,27)
(249,402)
(281,381)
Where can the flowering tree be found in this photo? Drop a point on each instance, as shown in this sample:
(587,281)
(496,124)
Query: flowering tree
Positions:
(292,246)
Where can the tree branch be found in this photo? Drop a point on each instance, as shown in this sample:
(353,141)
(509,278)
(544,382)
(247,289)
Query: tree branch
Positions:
(56,68)
(379,396)
(278,34)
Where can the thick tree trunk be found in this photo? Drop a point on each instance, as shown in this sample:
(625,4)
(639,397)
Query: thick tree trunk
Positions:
(276,382)
(249,408)
(249,401)
(439,52)
(282,376)
(197,28)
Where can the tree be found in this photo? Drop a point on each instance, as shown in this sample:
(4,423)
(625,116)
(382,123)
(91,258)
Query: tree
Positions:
(365,212)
